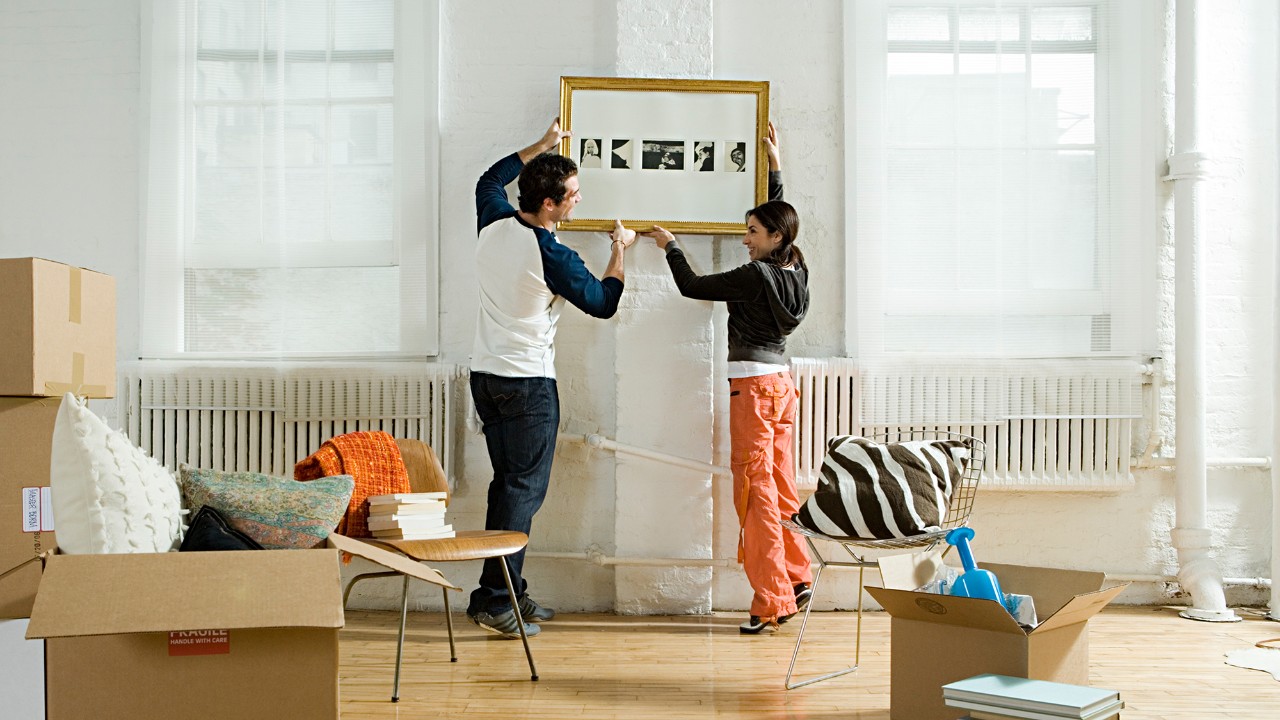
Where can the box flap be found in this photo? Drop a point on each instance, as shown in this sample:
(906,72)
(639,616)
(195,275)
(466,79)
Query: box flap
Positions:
(947,610)
(1079,609)
(160,592)
(1052,588)
(910,571)
(388,559)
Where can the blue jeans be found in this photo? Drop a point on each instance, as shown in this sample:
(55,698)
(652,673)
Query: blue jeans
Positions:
(520,416)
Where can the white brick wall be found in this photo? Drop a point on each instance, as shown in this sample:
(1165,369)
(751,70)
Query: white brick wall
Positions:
(69,153)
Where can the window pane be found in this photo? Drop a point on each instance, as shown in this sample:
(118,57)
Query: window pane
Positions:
(917,24)
(360,79)
(227,191)
(1062,23)
(363,25)
(229,25)
(920,99)
(306,80)
(362,135)
(1063,104)
(920,220)
(991,92)
(362,204)
(227,80)
(1063,230)
(307,25)
(990,24)
(991,218)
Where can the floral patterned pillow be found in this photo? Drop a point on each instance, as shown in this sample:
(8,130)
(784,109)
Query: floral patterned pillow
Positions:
(277,512)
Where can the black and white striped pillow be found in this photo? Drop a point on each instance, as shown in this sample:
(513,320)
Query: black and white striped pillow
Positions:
(884,490)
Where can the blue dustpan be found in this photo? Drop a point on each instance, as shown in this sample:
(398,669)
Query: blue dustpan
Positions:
(973,583)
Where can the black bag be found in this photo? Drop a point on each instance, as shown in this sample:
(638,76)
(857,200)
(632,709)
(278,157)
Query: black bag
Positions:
(210,531)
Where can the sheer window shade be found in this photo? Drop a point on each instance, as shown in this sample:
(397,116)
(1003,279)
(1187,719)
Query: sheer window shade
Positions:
(998,187)
(290,211)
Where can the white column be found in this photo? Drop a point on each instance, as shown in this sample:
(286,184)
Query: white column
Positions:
(1274,614)
(665,352)
(1198,572)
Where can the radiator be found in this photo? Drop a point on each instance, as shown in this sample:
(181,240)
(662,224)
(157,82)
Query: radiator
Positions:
(265,419)
(1061,424)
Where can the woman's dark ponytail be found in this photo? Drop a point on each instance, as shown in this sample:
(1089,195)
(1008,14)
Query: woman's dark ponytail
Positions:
(778,216)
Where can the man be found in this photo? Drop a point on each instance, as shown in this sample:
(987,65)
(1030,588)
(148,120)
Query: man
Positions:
(525,274)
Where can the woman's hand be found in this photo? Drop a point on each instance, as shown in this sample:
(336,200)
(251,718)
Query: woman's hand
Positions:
(661,236)
(771,148)
(622,236)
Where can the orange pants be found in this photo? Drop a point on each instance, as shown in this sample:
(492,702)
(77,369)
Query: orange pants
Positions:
(762,415)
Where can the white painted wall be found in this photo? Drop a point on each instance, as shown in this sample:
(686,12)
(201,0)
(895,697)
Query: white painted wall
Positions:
(69,159)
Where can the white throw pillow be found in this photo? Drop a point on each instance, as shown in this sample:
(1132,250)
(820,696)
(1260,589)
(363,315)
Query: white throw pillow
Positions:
(108,495)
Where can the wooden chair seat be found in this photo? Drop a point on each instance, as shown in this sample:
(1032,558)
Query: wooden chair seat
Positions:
(467,545)
(426,475)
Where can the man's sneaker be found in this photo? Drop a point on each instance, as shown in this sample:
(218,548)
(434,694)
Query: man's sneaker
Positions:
(504,624)
(804,594)
(531,611)
(754,625)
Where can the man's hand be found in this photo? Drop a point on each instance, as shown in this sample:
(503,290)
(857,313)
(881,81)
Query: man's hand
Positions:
(661,236)
(549,140)
(622,236)
(771,148)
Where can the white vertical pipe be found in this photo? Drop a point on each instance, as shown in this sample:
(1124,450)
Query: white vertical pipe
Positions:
(1274,614)
(1198,573)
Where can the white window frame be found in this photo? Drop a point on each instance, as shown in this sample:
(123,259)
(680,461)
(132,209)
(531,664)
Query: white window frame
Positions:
(865,56)
(165,192)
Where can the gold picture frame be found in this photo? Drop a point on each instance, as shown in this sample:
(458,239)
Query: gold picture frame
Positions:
(684,154)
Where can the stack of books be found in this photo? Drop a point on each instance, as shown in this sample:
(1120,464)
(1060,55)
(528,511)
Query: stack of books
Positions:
(998,697)
(409,516)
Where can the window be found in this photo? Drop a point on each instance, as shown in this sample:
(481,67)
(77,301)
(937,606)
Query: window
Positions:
(290,208)
(998,187)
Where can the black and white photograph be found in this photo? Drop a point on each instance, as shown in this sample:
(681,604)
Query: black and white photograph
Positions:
(662,155)
(704,156)
(736,158)
(590,154)
(620,157)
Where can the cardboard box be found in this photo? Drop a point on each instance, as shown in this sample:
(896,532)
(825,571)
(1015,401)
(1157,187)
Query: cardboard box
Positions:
(21,672)
(26,517)
(59,327)
(938,639)
(241,635)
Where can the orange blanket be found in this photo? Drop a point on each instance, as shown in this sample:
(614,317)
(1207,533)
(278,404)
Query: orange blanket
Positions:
(372,458)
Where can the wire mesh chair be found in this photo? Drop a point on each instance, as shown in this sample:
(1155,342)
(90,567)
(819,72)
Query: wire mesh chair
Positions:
(957,515)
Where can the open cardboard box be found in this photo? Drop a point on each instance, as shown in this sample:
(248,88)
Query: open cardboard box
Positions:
(250,634)
(938,639)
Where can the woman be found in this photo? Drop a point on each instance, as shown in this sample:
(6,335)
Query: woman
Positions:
(767,299)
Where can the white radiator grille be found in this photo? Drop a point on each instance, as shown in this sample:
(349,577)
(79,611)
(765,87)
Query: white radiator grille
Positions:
(1046,424)
(265,419)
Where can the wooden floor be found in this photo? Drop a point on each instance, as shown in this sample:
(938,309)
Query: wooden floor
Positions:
(606,666)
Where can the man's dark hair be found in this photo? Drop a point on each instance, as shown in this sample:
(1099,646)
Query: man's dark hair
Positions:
(544,177)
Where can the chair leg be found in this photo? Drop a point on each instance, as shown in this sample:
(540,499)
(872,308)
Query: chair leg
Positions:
(404,612)
(817,577)
(448,620)
(857,647)
(515,605)
(346,594)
